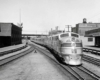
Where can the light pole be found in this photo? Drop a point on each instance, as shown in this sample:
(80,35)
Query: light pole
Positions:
(69,27)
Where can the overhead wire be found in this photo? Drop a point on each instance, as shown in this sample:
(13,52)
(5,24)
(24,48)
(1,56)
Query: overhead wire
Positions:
(94,16)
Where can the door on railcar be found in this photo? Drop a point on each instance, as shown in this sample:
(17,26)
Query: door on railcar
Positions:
(56,43)
(49,43)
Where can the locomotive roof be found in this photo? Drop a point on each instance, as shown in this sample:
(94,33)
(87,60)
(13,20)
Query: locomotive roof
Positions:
(62,33)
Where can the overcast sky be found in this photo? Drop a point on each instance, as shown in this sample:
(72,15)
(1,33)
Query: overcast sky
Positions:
(39,16)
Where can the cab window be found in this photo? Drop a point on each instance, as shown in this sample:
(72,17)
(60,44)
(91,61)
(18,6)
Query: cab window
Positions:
(74,35)
(56,38)
(64,35)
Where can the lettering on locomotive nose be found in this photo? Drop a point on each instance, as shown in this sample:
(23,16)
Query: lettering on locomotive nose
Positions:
(73,44)
(74,51)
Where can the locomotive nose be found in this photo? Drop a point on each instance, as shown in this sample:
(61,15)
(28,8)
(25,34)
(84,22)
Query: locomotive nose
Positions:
(71,46)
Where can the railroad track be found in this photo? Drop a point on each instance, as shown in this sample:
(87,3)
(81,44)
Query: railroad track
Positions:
(83,73)
(10,56)
(75,72)
(93,51)
(91,60)
(13,50)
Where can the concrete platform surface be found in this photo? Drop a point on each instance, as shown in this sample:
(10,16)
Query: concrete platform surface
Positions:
(33,66)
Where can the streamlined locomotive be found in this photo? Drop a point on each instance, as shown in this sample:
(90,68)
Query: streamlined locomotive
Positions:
(68,46)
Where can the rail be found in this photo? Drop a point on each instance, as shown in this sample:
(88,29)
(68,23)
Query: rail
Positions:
(91,60)
(93,51)
(12,50)
(12,56)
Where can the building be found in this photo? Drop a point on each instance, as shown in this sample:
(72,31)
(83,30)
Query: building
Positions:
(81,28)
(88,32)
(94,33)
(10,34)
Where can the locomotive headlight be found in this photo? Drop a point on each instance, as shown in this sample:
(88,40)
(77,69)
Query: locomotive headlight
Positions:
(67,57)
(74,51)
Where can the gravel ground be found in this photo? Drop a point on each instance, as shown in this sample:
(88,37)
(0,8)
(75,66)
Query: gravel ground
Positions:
(33,66)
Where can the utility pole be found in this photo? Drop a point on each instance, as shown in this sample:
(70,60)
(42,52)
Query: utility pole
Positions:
(20,23)
(68,28)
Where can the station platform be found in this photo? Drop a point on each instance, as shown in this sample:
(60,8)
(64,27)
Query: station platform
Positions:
(92,47)
(90,54)
(11,47)
(13,53)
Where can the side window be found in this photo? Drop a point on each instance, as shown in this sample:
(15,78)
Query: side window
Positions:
(90,39)
(75,35)
(56,38)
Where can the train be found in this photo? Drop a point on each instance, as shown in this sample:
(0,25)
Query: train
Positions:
(68,46)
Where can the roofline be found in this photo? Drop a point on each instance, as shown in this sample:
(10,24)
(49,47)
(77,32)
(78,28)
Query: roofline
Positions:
(87,23)
(6,22)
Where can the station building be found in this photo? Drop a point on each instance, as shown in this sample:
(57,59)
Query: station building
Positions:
(10,34)
(89,33)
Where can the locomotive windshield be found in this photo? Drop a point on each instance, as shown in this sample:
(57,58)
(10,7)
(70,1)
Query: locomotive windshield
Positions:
(74,35)
(64,35)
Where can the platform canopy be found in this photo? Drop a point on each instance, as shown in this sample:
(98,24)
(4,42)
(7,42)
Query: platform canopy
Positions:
(93,33)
